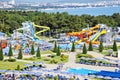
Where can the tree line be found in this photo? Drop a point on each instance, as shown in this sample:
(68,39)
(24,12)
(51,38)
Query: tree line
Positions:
(63,22)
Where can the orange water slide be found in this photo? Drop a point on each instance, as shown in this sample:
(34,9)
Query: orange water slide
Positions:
(84,34)
(3,44)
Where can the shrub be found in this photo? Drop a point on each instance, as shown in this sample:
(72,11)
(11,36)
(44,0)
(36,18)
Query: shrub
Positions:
(1,55)
(73,47)
(46,59)
(20,54)
(11,60)
(101,46)
(56,78)
(84,55)
(32,59)
(84,49)
(38,54)
(62,55)
(18,67)
(58,53)
(55,47)
(90,47)
(52,56)
(32,50)
(54,61)
(115,46)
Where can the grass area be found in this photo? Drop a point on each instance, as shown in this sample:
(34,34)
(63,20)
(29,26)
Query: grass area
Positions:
(118,47)
(107,53)
(98,79)
(78,56)
(51,59)
(47,52)
(11,65)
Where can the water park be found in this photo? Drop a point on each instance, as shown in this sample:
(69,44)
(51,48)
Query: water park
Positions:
(90,54)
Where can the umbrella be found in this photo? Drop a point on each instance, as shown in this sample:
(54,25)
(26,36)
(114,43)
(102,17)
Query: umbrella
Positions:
(93,76)
(40,62)
(37,74)
(27,65)
(115,78)
(93,59)
(100,77)
(107,77)
(2,71)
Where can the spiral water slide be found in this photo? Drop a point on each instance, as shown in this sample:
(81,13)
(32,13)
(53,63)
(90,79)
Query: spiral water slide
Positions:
(32,27)
(93,36)
(45,28)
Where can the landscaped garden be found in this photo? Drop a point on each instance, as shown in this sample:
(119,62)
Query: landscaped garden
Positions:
(5,65)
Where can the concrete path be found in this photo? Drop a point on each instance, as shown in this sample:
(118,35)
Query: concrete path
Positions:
(72,63)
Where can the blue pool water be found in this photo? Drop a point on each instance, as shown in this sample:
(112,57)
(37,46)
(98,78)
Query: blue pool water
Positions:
(80,71)
(69,46)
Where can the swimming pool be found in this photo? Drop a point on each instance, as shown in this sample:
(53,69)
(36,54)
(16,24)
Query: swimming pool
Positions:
(69,46)
(80,71)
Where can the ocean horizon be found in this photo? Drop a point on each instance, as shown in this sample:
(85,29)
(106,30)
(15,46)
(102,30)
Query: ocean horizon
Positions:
(94,11)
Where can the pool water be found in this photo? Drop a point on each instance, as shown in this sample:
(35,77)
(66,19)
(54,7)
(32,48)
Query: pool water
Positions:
(80,71)
(69,46)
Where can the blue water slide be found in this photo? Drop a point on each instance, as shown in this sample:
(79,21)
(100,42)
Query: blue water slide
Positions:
(32,29)
(92,37)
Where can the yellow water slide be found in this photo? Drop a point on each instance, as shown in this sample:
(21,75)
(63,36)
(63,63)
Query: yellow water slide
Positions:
(79,41)
(17,47)
(45,28)
(102,32)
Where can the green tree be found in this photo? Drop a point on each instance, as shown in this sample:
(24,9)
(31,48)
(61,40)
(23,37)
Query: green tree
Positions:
(1,54)
(114,46)
(55,47)
(101,46)
(32,50)
(38,53)
(20,56)
(73,47)
(90,46)
(10,53)
(84,49)
(18,67)
(58,51)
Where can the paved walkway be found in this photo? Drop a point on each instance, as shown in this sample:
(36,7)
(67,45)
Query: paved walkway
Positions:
(72,63)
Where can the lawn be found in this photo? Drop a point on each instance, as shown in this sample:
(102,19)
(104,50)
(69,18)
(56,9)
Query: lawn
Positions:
(47,52)
(11,65)
(52,59)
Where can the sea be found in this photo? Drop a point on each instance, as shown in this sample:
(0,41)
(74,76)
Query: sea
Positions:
(94,11)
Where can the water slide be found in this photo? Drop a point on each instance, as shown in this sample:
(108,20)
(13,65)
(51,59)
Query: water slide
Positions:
(79,41)
(31,26)
(102,32)
(45,28)
(24,46)
(95,36)
(17,47)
